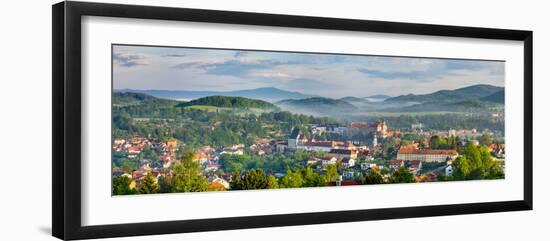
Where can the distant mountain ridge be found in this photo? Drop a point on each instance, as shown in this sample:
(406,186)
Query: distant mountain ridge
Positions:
(270,94)
(317,106)
(473,98)
(474,92)
(377,97)
(356,101)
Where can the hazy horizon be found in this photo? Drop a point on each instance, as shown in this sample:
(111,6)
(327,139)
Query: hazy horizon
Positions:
(327,75)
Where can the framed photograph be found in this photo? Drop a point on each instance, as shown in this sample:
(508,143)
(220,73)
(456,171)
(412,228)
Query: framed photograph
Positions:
(169,120)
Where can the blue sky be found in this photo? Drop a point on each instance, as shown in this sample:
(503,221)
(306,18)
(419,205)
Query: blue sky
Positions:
(329,75)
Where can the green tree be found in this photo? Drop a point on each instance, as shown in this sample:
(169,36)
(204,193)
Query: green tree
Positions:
(312,179)
(402,175)
(291,180)
(486,139)
(250,180)
(435,141)
(149,184)
(188,176)
(461,168)
(165,186)
(385,171)
(331,173)
(487,161)
(150,153)
(301,155)
(128,165)
(374,177)
(272,182)
(388,148)
(495,172)
(121,186)
(476,163)
(473,156)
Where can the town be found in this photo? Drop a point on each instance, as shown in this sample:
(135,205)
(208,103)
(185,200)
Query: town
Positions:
(308,158)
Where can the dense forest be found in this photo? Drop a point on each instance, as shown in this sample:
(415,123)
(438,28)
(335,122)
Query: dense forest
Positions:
(195,127)
(160,119)
(231,102)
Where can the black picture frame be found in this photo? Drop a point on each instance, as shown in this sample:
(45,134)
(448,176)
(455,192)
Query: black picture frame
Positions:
(66,157)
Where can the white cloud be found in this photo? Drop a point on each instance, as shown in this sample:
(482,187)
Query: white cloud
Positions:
(327,75)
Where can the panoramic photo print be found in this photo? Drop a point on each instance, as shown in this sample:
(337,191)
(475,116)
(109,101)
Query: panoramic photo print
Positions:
(202,120)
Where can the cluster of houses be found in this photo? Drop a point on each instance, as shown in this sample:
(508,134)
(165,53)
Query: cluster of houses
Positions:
(134,146)
(346,154)
(262,146)
(299,141)
(207,156)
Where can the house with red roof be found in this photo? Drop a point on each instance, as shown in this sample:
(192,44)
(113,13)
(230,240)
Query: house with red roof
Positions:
(426,155)
(395,164)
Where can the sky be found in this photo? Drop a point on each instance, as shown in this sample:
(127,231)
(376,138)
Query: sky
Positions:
(328,75)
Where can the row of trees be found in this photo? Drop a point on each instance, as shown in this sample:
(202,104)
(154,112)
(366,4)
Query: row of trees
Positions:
(450,142)
(476,163)
(258,179)
(185,177)
(275,162)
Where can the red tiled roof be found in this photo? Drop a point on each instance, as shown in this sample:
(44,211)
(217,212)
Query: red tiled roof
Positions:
(415,163)
(319,143)
(395,162)
(342,151)
(359,124)
(200,155)
(346,144)
(427,152)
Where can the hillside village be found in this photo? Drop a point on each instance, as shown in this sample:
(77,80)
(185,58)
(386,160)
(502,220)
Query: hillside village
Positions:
(390,157)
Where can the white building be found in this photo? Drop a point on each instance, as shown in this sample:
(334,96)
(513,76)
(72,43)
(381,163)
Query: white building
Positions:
(426,155)
(395,164)
(349,174)
(367,165)
(328,160)
(449,170)
(348,162)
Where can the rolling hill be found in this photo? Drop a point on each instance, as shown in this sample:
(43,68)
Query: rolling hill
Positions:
(461,106)
(269,94)
(317,106)
(497,97)
(378,97)
(129,98)
(474,92)
(356,101)
(229,102)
